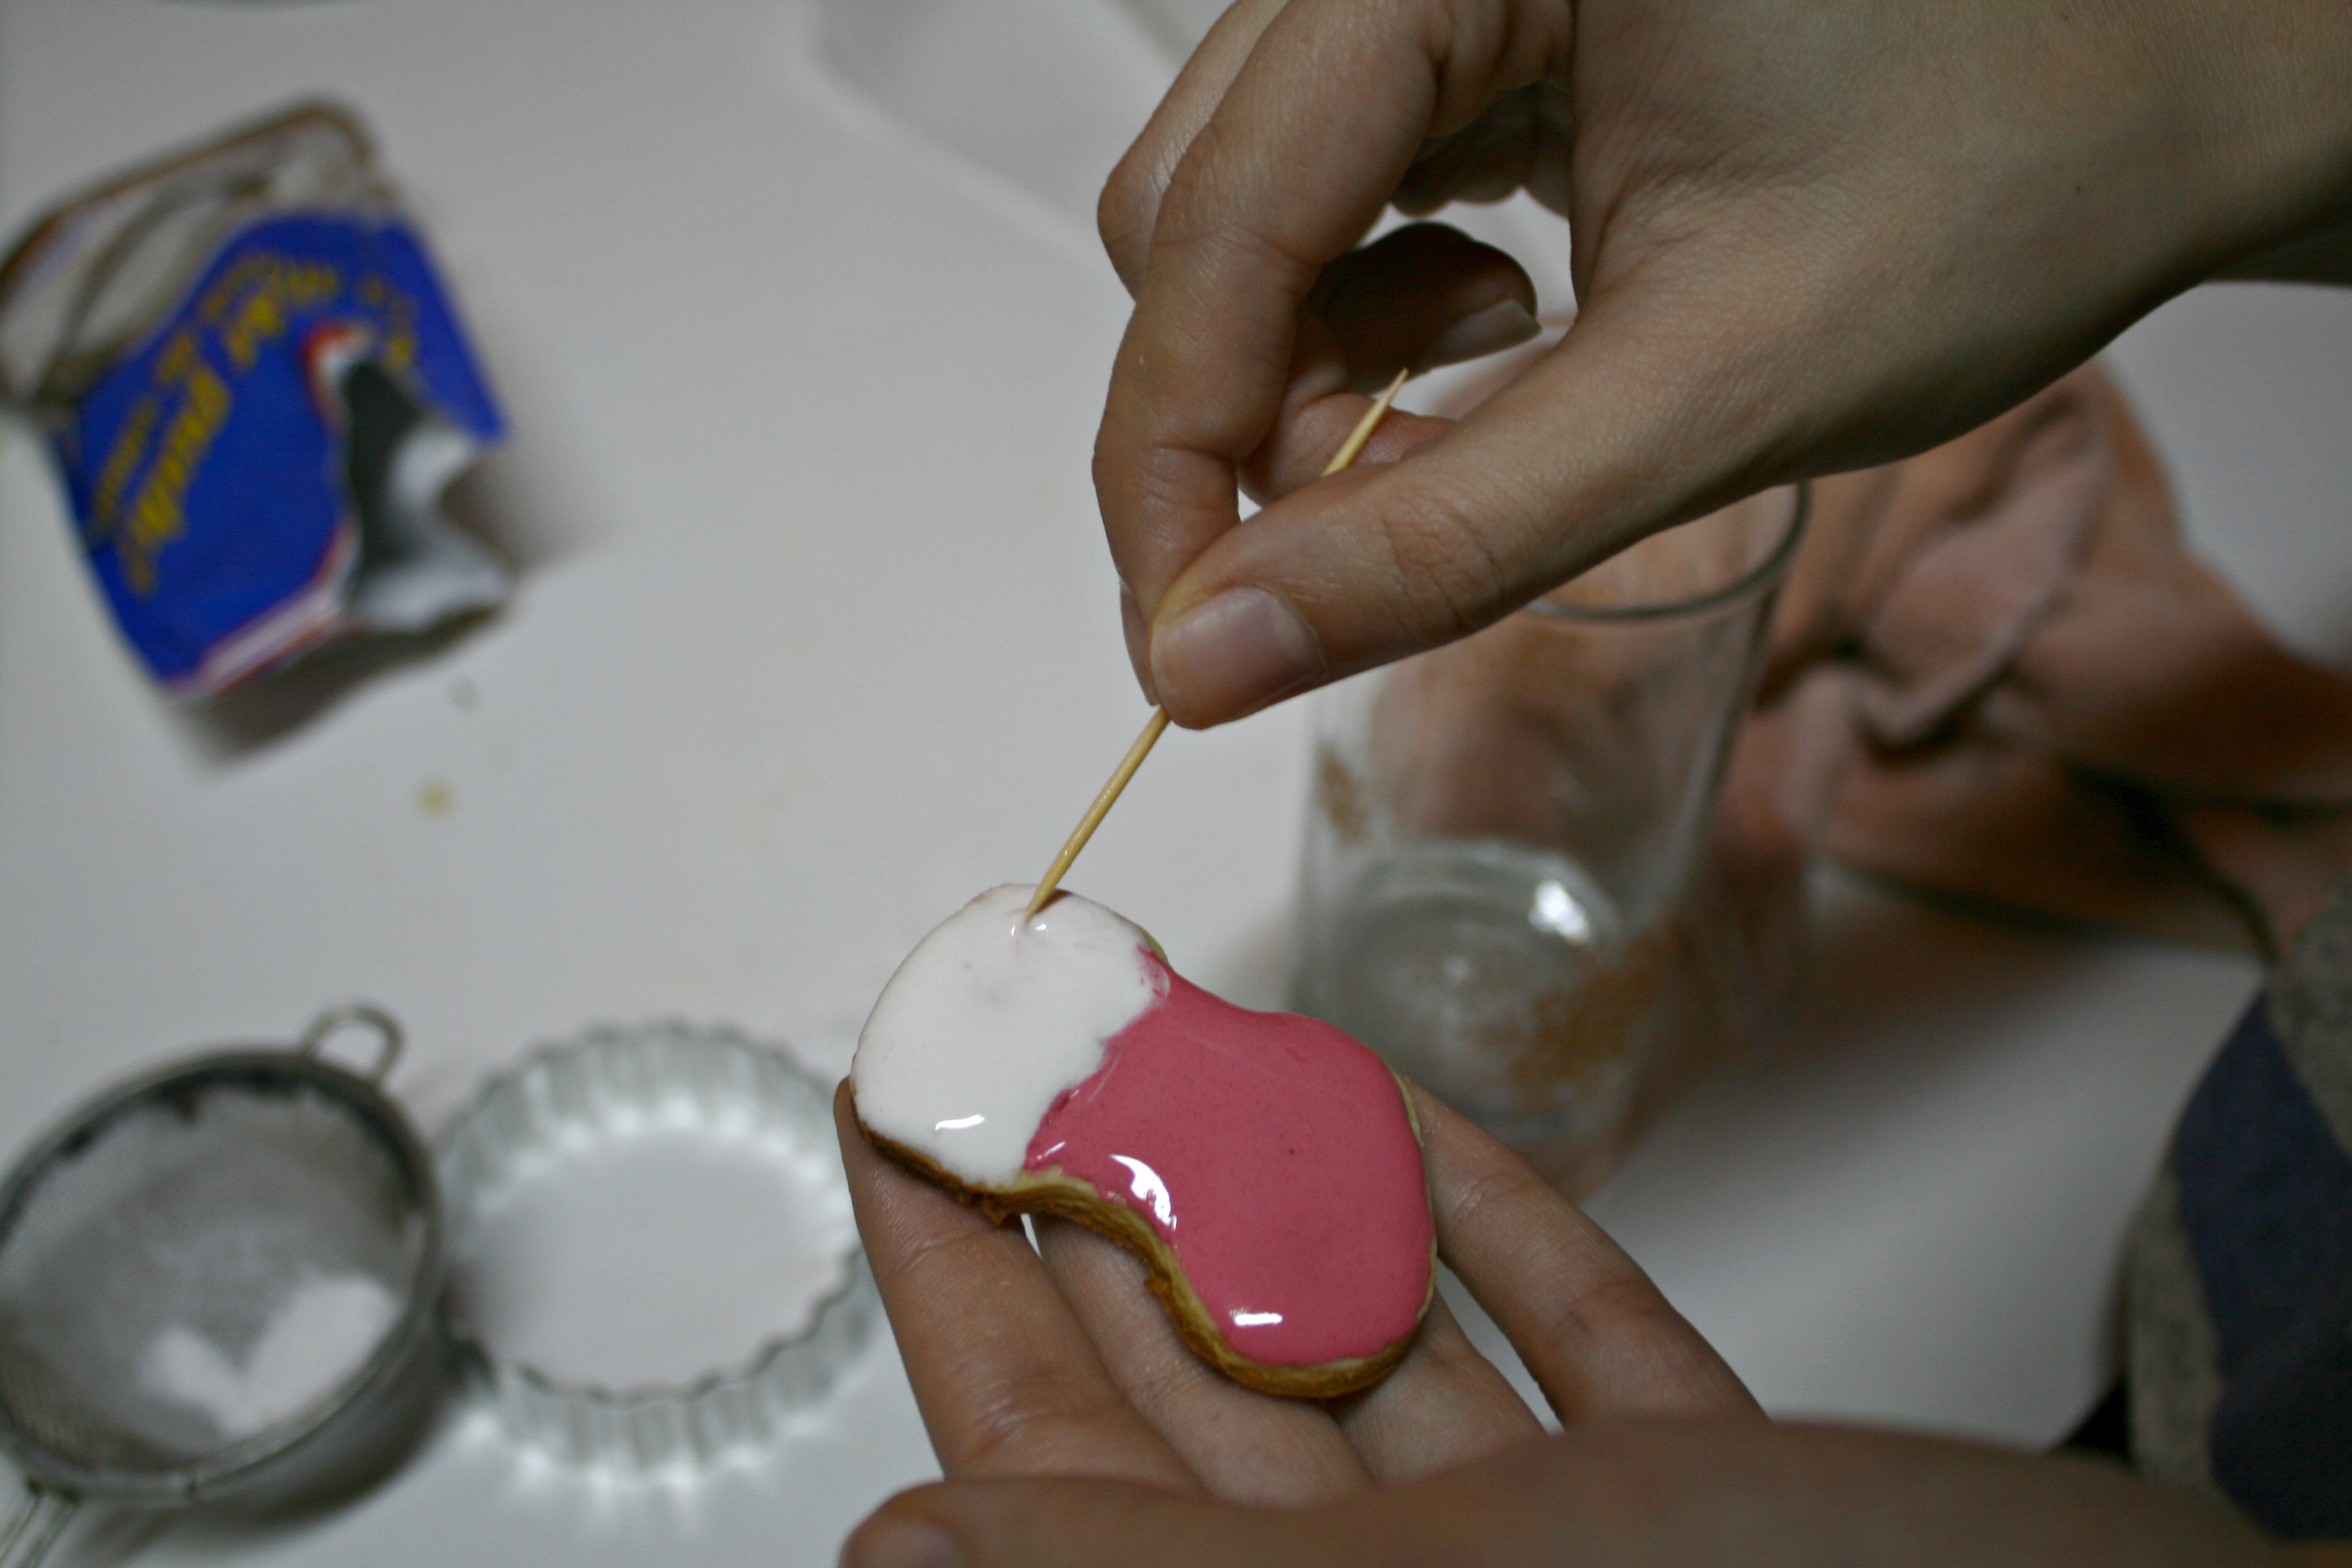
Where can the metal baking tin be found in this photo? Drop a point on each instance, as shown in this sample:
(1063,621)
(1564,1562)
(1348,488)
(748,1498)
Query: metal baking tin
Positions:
(588,1087)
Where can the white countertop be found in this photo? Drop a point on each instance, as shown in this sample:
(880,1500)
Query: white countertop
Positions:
(816,637)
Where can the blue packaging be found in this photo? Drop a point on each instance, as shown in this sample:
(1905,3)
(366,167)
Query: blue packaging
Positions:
(256,388)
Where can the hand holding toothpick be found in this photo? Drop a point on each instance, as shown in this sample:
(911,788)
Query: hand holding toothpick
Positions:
(1349,451)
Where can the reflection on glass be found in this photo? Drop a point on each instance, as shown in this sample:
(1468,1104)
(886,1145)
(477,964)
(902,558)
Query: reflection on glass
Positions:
(1557,911)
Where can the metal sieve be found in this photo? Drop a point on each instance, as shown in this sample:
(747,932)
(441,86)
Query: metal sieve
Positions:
(219,1281)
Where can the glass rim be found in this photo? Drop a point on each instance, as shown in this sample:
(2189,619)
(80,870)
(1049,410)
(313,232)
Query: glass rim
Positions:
(1758,578)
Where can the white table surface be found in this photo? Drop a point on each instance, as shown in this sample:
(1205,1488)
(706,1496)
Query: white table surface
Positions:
(803,341)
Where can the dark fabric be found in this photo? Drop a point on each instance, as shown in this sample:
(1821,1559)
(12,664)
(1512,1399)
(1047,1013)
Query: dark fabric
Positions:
(2282,1440)
(2265,1204)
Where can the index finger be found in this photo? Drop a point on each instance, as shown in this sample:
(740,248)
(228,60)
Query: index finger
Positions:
(1130,207)
(1297,161)
(1008,1382)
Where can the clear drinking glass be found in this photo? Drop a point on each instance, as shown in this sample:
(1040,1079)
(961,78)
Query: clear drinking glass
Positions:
(1503,833)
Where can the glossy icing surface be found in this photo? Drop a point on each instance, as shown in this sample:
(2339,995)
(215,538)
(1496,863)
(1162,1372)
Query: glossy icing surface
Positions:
(990,1019)
(1273,1153)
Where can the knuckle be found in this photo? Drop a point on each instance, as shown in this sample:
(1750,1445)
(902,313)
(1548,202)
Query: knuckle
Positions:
(1616,1299)
(1452,1355)
(1023,1422)
(1494,1200)
(1231,243)
(1449,580)
(1125,212)
(1617,1310)
(952,1251)
(1198,216)
(1164,1383)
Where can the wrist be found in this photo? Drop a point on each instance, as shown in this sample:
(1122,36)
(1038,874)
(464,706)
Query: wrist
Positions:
(2273,80)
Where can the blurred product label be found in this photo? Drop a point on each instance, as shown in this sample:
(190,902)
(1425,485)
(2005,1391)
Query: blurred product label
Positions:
(256,389)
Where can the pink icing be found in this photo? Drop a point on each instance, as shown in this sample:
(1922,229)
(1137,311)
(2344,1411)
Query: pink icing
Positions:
(1273,1154)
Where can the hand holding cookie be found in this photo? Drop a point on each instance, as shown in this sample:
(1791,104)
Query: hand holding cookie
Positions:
(1076,1427)
(1055,1362)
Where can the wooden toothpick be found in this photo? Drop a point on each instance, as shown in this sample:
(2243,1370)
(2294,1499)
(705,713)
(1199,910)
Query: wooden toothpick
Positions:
(1349,451)
(1353,446)
(1100,809)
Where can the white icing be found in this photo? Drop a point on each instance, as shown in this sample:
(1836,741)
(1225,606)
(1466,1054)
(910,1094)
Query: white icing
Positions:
(989,1019)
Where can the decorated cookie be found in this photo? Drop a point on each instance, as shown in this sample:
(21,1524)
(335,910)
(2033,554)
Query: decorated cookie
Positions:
(1265,1165)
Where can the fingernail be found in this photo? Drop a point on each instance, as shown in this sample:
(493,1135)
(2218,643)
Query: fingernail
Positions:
(1235,653)
(1139,640)
(1482,333)
(902,1543)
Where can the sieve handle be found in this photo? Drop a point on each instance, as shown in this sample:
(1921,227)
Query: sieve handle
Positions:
(334,1021)
(27,1537)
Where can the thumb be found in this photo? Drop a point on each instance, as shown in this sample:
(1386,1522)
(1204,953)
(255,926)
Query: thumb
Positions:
(1635,421)
(1070,1523)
